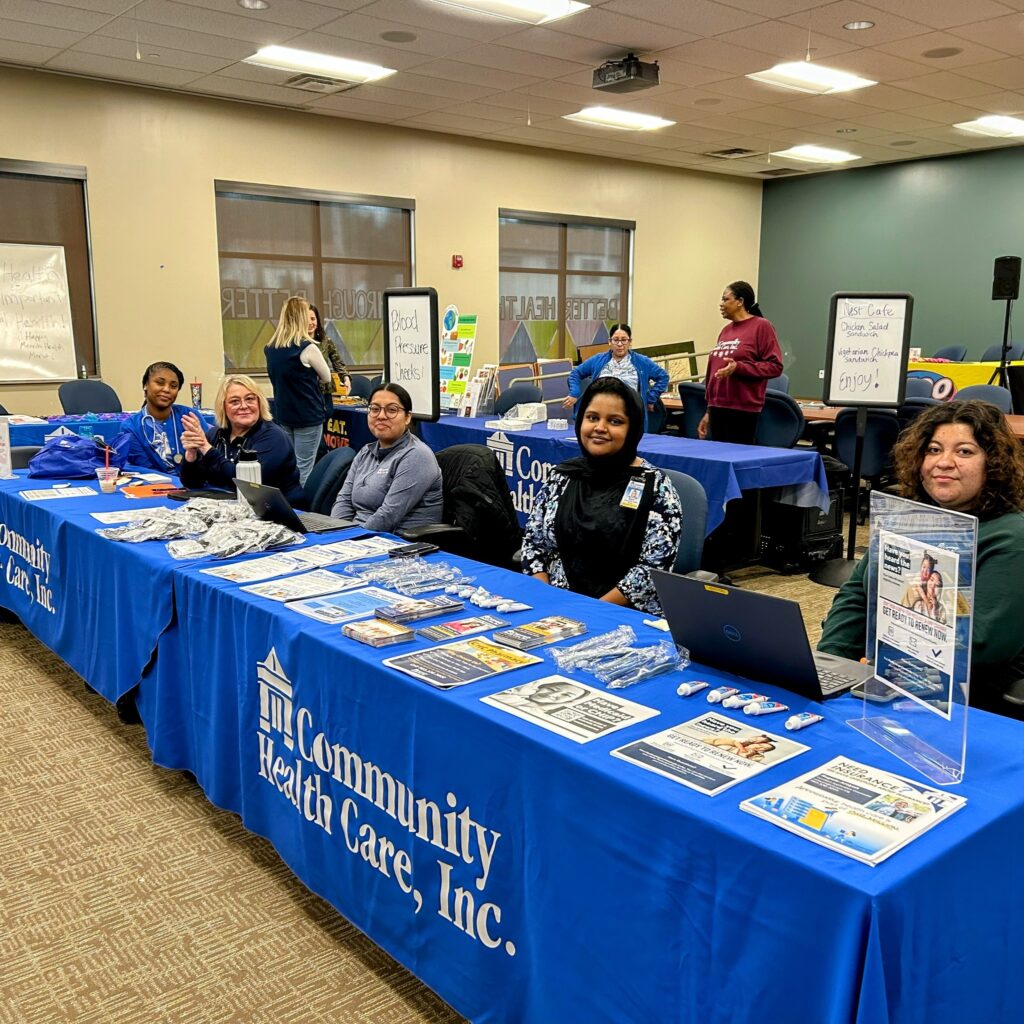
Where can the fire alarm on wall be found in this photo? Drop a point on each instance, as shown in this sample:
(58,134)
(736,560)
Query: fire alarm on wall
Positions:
(457,261)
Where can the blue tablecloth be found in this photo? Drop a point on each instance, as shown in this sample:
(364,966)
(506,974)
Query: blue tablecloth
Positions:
(522,876)
(723,470)
(35,433)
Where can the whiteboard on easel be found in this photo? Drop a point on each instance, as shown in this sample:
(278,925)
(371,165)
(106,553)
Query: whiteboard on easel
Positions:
(412,347)
(37,342)
(868,347)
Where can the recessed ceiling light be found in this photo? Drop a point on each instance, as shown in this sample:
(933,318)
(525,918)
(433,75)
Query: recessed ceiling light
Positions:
(942,51)
(398,37)
(858,26)
(627,120)
(283,58)
(152,54)
(803,76)
(997,126)
(533,12)
(254,5)
(817,154)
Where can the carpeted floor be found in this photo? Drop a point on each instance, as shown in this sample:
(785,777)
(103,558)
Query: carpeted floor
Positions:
(126,898)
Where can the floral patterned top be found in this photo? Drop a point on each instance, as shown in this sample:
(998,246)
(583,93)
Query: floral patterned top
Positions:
(661,540)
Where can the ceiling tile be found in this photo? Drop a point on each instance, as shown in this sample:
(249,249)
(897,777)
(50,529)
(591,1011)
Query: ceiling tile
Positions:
(449,88)
(262,92)
(1006,74)
(502,58)
(621,32)
(349,103)
(899,121)
(440,18)
(1003,34)
(26,53)
(527,98)
(33,12)
(463,71)
(415,100)
(783,116)
(915,48)
(126,70)
(1000,103)
(166,12)
(943,13)
(357,49)
(829,19)
(39,35)
(878,66)
(711,53)
(359,27)
(701,17)
(591,52)
(177,38)
(944,85)
(788,41)
(294,14)
(124,49)
(888,97)
(454,122)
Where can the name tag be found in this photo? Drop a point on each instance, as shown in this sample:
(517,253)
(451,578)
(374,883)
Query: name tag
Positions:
(632,495)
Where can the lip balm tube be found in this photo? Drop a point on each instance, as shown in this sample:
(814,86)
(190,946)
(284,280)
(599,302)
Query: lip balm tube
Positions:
(689,689)
(741,700)
(802,720)
(719,694)
(764,707)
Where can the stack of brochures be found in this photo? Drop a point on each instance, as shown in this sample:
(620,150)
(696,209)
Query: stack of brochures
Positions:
(378,632)
(410,609)
(461,627)
(854,809)
(543,631)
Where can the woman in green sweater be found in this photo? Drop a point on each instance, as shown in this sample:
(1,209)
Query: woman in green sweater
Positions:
(962,456)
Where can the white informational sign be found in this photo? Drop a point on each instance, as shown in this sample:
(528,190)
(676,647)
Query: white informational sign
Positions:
(915,639)
(412,345)
(36,337)
(868,346)
(5,450)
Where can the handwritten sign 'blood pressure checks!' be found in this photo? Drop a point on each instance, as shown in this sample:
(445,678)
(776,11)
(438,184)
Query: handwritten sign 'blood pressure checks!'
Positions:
(868,343)
(411,347)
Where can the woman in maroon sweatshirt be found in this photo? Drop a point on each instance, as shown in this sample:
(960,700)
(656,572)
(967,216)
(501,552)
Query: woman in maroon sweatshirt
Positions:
(745,358)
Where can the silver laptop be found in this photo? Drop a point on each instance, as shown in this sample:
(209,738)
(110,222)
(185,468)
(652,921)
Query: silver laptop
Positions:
(754,635)
(269,503)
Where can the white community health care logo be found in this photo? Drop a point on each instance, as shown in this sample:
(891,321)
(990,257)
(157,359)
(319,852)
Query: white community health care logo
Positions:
(502,447)
(275,699)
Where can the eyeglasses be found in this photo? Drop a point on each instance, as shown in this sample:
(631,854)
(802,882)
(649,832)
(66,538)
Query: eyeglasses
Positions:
(390,411)
(237,403)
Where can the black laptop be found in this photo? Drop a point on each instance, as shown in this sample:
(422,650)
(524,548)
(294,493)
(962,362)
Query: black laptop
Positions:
(270,504)
(754,635)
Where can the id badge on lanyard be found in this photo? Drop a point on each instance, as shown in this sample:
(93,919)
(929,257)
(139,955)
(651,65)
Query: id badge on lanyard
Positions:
(633,493)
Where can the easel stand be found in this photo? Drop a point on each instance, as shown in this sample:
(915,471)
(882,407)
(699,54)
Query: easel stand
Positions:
(999,374)
(836,571)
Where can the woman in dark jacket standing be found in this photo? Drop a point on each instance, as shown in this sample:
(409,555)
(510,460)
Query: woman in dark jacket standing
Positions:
(296,368)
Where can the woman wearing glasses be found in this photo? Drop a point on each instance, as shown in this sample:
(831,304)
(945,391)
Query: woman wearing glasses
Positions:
(244,433)
(394,482)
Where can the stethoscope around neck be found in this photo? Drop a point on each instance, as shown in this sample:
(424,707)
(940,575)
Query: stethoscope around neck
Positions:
(168,437)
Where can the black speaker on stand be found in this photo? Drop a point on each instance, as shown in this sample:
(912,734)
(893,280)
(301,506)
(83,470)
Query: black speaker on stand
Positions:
(1005,288)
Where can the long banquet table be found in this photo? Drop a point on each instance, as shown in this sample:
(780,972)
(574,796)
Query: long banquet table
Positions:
(524,877)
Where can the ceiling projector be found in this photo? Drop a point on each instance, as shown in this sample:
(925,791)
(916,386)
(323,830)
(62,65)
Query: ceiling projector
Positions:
(626,75)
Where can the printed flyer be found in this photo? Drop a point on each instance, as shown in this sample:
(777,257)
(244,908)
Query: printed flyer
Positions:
(464,661)
(710,753)
(854,809)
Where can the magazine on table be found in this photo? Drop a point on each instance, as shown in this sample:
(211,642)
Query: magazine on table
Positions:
(257,569)
(378,632)
(855,809)
(409,609)
(543,631)
(461,662)
(569,708)
(308,584)
(344,607)
(461,627)
(710,753)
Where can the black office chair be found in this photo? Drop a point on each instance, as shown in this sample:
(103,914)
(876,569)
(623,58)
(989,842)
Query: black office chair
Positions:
(360,386)
(781,423)
(992,393)
(479,520)
(880,434)
(695,405)
(656,417)
(911,408)
(995,352)
(695,517)
(517,394)
(918,387)
(22,453)
(955,353)
(375,382)
(325,479)
(780,383)
(81,396)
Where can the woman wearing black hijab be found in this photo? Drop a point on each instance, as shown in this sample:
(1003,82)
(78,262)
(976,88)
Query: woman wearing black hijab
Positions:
(606,518)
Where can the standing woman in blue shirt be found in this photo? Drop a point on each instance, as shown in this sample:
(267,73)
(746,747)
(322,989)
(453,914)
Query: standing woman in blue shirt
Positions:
(643,375)
(296,368)
(157,427)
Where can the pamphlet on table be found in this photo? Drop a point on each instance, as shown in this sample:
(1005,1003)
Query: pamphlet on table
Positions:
(710,753)
(543,631)
(569,708)
(345,607)
(855,809)
(60,491)
(461,627)
(308,584)
(264,568)
(378,632)
(465,661)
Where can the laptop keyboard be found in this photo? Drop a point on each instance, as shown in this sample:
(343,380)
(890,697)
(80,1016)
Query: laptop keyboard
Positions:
(832,681)
(316,522)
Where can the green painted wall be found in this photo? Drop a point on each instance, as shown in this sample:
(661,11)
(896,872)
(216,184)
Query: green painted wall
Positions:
(931,227)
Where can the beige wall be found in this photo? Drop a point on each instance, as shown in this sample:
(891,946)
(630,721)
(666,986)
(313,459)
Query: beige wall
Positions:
(152,158)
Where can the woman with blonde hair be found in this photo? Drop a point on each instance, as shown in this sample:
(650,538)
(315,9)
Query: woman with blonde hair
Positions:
(297,368)
(244,433)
